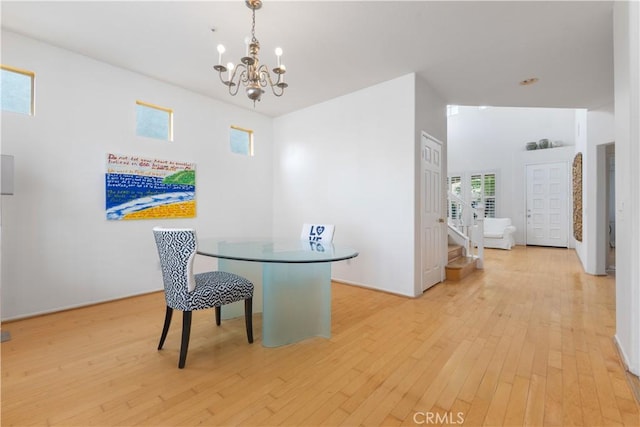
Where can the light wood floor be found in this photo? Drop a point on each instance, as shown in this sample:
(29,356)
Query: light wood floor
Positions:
(526,342)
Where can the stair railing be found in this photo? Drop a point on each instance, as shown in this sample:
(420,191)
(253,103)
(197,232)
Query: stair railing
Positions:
(466,226)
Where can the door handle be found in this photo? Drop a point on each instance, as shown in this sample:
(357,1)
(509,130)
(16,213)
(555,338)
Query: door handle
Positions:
(441,220)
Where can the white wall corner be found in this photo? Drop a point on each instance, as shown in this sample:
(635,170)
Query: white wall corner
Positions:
(431,118)
(627,156)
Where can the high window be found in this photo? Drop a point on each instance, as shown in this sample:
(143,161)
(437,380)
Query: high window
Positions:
(154,121)
(241,140)
(17,87)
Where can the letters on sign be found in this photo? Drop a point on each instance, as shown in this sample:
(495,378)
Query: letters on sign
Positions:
(315,234)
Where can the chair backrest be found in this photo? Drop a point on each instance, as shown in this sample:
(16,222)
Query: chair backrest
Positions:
(177,249)
(496,225)
(317,232)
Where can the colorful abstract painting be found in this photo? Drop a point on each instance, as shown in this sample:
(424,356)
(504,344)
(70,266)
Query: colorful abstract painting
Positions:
(144,188)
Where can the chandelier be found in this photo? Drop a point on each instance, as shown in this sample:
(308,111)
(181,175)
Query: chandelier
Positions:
(249,72)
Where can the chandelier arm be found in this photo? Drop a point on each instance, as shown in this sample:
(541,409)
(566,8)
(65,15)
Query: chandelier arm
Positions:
(232,83)
(233,92)
(225,82)
(244,77)
(273,85)
(233,86)
(235,71)
(273,89)
(265,77)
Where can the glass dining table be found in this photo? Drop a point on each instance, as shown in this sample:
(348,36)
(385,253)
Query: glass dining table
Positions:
(292,280)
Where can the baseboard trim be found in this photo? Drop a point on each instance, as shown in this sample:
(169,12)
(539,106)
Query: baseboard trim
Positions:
(634,382)
(632,379)
(360,285)
(75,307)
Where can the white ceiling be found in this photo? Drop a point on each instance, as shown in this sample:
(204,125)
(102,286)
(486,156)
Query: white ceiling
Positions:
(471,53)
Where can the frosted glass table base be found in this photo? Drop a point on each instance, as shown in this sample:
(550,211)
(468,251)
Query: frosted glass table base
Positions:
(295,299)
(296,302)
(292,283)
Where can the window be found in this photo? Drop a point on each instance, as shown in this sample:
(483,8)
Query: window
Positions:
(241,141)
(17,88)
(455,187)
(154,121)
(483,190)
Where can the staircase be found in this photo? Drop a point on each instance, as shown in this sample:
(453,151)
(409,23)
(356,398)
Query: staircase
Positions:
(459,266)
(465,225)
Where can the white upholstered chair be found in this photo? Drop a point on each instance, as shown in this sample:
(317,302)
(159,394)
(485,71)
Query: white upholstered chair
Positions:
(498,233)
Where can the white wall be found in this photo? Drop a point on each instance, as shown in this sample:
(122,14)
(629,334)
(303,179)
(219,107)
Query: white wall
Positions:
(430,117)
(494,139)
(582,248)
(627,137)
(594,129)
(350,162)
(58,250)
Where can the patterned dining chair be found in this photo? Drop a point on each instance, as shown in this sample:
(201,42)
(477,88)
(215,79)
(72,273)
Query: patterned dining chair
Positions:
(187,292)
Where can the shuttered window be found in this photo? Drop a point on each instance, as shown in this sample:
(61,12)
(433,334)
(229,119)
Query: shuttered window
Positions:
(483,190)
(455,187)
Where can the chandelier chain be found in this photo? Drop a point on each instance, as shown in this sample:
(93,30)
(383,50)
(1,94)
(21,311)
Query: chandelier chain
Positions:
(253,26)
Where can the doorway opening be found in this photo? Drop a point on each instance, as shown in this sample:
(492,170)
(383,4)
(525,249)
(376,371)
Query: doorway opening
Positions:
(610,245)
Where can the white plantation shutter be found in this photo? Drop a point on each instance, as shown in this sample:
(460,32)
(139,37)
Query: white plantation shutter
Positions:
(455,186)
(478,188)
(483,190)
(489,195)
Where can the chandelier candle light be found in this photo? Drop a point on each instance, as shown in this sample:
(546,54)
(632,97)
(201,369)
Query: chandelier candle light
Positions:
(249,72)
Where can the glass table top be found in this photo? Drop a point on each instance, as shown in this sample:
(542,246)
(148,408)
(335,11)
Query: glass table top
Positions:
(271,250)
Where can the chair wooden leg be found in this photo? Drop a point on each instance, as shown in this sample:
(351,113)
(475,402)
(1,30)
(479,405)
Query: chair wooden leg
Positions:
(186,331)
(218,314)
(248,318)
(165,329)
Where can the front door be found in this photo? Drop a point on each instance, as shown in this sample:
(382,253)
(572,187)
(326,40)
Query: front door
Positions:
(432,228)
(547,201)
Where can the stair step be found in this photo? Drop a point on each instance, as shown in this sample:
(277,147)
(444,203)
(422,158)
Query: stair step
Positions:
(455,251)
(460,268)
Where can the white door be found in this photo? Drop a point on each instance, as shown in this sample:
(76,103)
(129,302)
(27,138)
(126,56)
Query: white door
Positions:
(432,227)
(547,204)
